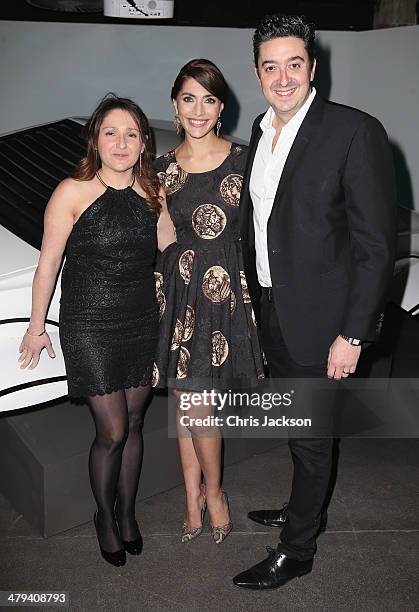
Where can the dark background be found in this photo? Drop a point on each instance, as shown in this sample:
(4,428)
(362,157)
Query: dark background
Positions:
(327,15)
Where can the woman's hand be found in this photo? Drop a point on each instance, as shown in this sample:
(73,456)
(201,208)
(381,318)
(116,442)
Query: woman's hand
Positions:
(30,349)
(58,223)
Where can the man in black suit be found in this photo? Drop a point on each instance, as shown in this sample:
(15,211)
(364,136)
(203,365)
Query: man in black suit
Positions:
(318,237)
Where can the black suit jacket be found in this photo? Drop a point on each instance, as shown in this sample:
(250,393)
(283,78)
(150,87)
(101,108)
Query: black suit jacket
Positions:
(331,232)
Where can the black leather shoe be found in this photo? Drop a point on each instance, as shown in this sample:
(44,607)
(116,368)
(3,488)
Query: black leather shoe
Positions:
(277,518)
(270,518)
(117,558)
(273,572)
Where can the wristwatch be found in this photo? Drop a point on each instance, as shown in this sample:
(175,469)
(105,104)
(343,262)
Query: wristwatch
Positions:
(353,341)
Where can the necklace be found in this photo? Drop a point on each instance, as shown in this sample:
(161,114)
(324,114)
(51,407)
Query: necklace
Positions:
(105,185)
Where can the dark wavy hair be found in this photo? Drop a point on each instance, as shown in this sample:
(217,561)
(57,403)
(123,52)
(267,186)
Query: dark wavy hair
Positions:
(90,164)
(207,74)
(281,26)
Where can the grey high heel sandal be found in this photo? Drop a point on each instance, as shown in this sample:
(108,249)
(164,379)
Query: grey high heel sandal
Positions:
(189,533)
(220,532)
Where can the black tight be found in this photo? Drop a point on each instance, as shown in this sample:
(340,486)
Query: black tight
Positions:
(115,461)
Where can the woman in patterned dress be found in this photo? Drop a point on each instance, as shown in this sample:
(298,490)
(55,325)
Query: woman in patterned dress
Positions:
(208,338)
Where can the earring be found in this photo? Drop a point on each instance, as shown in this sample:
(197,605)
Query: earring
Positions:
(177,124)
(140,163)
(218,128)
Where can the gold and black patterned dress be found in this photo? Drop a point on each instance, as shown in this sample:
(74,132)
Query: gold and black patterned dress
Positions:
(208,336)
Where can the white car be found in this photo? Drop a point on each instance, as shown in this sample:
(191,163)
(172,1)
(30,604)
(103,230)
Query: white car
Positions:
(32,162)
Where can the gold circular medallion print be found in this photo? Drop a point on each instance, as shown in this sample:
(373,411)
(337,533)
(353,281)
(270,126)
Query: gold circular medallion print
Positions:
(219,348)
(188,324)
(183,363)
(173,179)
(216,284)
(185,265)
(208,221)
(230,189)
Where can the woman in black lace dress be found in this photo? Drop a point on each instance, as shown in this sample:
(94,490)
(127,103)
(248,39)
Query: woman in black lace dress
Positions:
(105,217)
(208,337)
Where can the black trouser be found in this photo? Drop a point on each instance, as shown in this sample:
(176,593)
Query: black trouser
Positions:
(312,457)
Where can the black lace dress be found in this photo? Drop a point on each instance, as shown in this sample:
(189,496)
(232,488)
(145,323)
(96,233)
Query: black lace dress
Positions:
(108,310)
(208,336)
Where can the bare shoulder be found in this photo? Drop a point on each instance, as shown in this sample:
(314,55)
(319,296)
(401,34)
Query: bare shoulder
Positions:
(72,195)
(70,188)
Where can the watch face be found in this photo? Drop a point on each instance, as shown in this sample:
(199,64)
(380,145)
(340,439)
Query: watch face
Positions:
(354,341)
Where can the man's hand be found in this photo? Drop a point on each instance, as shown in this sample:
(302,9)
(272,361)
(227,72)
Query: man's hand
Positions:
(343,358)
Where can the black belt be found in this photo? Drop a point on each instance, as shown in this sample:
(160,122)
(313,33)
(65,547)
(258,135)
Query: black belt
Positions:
(267,293)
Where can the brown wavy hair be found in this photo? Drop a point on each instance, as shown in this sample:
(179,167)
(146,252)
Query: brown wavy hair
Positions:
(90,164)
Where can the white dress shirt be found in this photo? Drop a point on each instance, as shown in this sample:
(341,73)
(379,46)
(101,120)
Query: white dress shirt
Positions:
(266,173)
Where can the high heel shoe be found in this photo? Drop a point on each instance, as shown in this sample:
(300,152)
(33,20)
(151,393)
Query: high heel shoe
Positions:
(189,533)
(134,547)
(117,558)
(220,532)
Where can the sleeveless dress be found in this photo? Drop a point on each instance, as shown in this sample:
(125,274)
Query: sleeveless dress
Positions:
(108,309)
(208,336)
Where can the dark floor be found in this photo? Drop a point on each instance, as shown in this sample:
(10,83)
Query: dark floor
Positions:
(367,560)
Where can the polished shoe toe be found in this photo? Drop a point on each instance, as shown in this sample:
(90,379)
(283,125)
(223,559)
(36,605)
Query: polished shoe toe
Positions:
(248,579)
(270,518)
(273,572)
(277,518)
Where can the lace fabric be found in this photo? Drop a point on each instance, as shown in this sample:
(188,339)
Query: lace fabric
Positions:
(109,312)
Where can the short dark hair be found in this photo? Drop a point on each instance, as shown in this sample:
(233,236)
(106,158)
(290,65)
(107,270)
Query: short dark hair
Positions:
(281,26)
(207,74)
